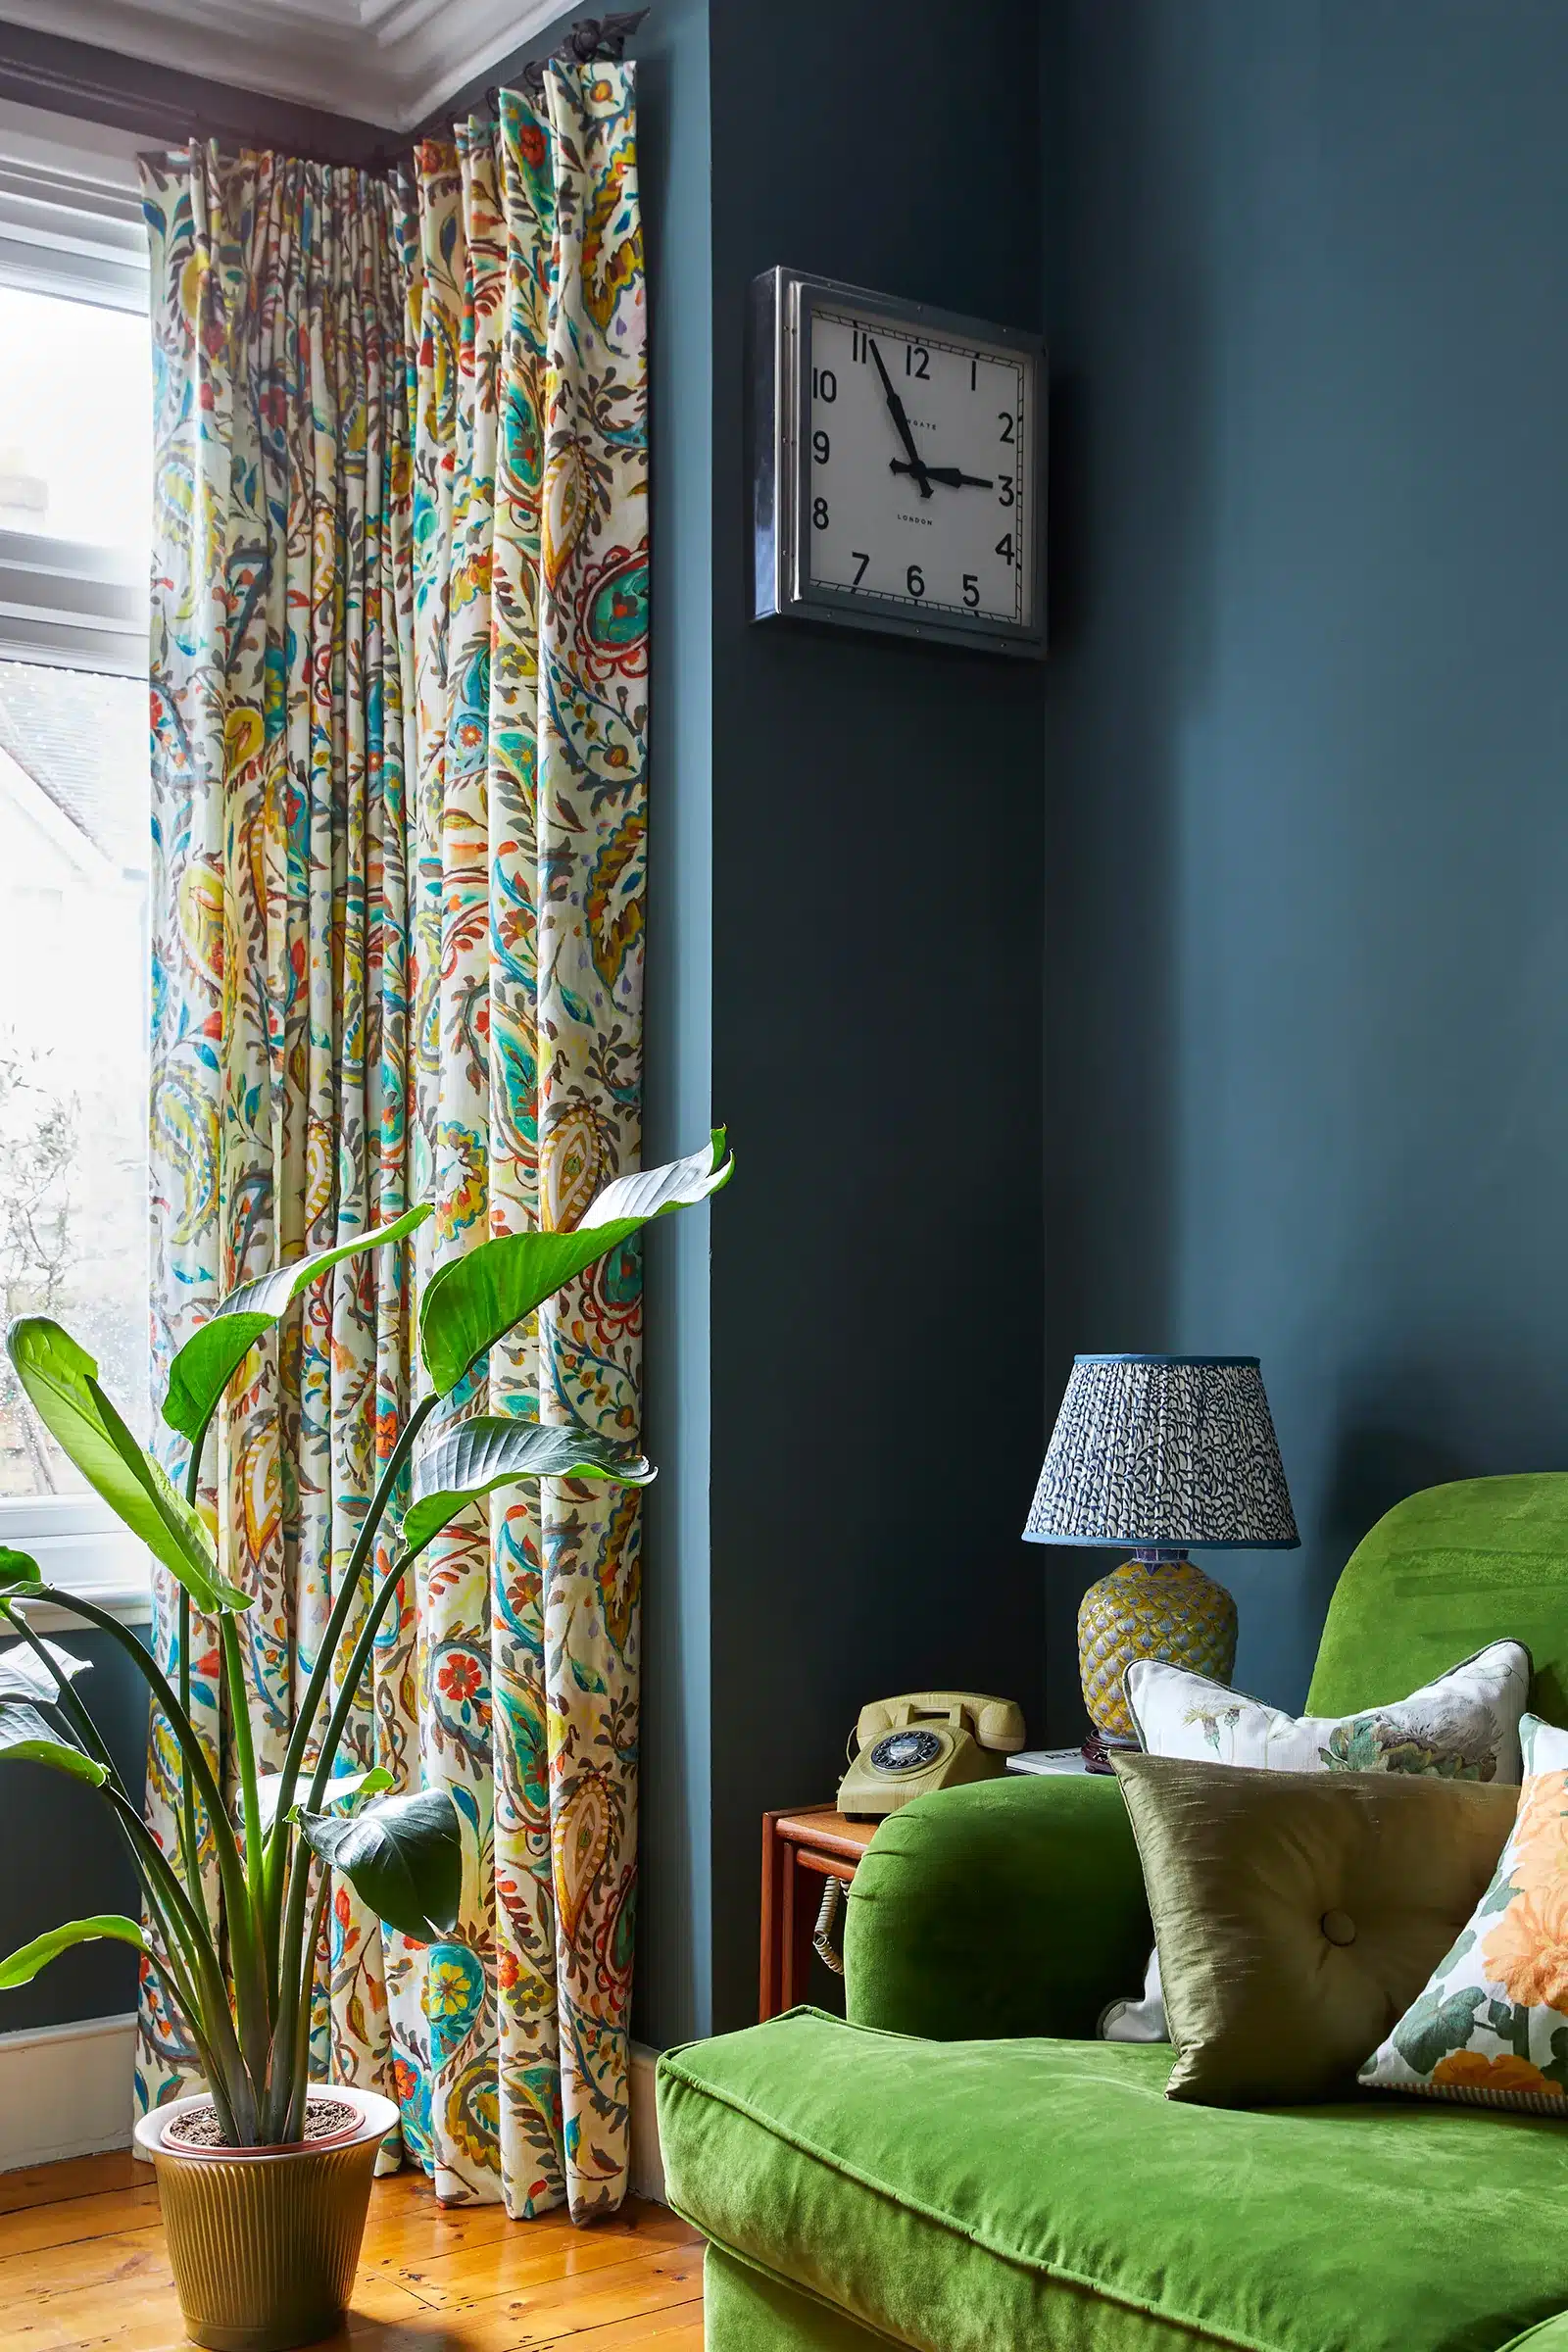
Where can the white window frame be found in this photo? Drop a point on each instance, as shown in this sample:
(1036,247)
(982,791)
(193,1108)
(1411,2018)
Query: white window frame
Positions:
(70,224)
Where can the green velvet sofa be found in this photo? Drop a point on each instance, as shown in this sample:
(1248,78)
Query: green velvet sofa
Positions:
(961,2166)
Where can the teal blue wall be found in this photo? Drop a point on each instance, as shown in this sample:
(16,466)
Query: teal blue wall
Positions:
(1307,737)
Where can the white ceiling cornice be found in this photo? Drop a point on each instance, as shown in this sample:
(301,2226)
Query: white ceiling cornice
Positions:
(388,61)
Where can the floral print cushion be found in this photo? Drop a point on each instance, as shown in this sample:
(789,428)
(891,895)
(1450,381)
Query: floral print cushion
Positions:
(1492,2025)
(1463,1725)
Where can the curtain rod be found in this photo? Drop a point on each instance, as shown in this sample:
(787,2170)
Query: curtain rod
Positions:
(588,42)
(167,108)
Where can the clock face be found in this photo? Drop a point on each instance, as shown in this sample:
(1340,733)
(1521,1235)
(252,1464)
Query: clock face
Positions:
(918,466)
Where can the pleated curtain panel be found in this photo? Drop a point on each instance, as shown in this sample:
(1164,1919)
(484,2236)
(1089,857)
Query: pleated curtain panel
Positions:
(399,699)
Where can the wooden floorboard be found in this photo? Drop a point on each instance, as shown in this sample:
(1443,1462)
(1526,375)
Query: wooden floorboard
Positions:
(84,2267)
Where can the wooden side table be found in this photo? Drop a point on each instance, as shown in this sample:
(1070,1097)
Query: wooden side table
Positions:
(799,1849)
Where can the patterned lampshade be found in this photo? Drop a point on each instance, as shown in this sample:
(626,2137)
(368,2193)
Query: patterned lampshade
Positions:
(1163,1451)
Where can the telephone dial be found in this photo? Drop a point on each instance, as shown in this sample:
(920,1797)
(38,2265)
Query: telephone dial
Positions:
(904,1747)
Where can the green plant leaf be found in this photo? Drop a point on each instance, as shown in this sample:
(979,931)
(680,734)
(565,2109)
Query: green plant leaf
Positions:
(474,1300)
(23,1675)
(492,1450)
(25,1738)
(211,1356)
(403,1854)
(24,1963)
(343,1792)
(61,1380)
(18,1570)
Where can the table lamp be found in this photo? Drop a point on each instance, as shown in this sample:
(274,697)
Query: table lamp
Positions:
(1157,1452)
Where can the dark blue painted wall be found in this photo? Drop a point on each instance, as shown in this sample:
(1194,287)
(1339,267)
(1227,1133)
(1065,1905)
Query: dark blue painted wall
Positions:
(1307,737)
(877,1266)
(61,1857)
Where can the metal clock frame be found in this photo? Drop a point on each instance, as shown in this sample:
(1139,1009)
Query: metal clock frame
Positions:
(782,303)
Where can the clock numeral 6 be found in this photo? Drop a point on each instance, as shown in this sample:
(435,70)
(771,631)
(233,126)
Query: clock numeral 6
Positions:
(821,448)
(819,512)
(971,590)
(916,581)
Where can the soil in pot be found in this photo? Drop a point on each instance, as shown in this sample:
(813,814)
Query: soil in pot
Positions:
(199,2129)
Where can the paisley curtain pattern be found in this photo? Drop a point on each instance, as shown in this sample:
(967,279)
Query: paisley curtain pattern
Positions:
(399,694)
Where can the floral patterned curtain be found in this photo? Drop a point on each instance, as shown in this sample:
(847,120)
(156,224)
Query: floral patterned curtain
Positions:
(399,698)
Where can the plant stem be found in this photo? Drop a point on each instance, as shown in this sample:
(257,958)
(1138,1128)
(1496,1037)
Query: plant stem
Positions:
(208,2014)
(189,1837)
(249,1981)
(300,2071)
(292,1962)
(299,1738)
(130,1827)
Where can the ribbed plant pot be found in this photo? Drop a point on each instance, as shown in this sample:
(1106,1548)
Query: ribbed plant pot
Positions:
(264,2241)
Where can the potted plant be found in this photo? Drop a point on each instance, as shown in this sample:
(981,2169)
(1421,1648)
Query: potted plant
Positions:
(265,2186)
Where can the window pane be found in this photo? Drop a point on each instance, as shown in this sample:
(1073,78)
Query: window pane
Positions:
(73,957)
(76,432)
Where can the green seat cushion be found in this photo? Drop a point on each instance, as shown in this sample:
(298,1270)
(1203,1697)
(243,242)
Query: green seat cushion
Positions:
(1046,2197)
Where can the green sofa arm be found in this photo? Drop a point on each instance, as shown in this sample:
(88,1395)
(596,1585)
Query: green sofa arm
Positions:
(1013,1907)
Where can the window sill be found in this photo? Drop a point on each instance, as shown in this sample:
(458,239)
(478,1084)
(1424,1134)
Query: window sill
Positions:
(80,1547)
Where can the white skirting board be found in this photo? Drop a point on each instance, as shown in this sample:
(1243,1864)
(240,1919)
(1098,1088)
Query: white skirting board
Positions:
(66,2090)
(647,2164)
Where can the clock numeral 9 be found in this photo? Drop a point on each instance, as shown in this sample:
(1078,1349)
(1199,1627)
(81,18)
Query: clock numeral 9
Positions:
(820,448)
(825,384)
(1005,490)
(1005,420)
(971,590)
(916,581)
(819,512)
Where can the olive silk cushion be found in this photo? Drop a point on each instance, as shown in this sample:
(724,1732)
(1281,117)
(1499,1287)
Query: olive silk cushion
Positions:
(1297,1915)
(1491,2026)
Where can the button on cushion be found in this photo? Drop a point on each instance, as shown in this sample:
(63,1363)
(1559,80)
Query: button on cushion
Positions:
(1297,1915)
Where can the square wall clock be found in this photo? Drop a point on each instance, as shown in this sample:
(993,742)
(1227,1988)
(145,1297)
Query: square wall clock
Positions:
(898,477)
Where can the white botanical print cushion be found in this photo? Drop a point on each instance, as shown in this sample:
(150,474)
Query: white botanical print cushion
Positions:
(1492,2025)
(1463,1725)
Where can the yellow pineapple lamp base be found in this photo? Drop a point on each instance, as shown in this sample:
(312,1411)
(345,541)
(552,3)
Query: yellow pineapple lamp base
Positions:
(1159,1604)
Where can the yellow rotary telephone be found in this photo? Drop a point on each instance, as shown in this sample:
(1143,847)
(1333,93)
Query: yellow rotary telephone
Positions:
(904,1747)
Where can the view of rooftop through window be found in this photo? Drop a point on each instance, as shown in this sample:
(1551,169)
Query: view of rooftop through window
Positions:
(74,463)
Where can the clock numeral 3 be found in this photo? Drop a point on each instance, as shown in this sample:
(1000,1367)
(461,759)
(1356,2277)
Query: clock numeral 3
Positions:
(862,562)
(1005,420)
(916,581)
(819,512)
(1005,490)
(971,590)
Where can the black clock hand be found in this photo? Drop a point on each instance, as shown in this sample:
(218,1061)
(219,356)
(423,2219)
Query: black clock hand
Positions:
(895,412)
(948,474)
